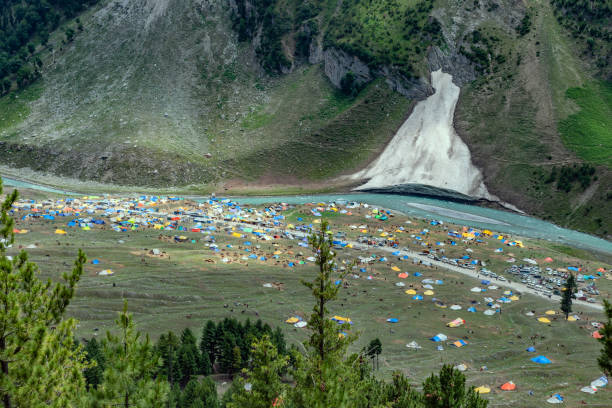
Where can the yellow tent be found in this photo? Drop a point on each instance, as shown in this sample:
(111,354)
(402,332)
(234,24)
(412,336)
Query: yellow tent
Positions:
(507,292)
(395,268)
(236,235)
(514,297)
(571,319)
(277,252)
(428,293)
(543,320)
(482,389)
(383,234)
(60,231)
(292,320)
(341,319)
(365,231)
(550,312)
(411,292)
(86,228)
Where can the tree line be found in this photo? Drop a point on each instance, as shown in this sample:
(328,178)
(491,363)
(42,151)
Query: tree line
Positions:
(43,365)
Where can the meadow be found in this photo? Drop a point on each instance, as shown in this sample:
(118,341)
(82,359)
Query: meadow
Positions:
(188,284)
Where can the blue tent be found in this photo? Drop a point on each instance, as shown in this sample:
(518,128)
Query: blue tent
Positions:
(48,217)
(436,338)
(253,256)
(472,309)
(541,360)
(392,320)
(439,282)
(485,282)
(337,282)
(362,270)
(95,262)
(531,349)
(418,274)
(396,253)
(417,297)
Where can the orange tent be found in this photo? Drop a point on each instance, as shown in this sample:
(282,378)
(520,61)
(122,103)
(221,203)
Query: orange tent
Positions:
(548,259)
(402,275)
(509,386)
(596,335)
(601,270)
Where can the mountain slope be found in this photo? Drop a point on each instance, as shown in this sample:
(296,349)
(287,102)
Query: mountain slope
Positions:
(292,92)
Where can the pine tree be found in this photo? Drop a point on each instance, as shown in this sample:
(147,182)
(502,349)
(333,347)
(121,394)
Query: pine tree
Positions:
(130,369)
(400,394)
(605,358)
(94,374)
(167,348)
(39,361)
(226,355)
(188,363)
(374,350)
(447,390)
(568,293)
(208,342)
(264,377)
(324,377)
(236,360)
(199,394)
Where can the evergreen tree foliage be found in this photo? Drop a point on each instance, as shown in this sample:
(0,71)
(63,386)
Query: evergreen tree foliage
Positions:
(94,373)
(323,376)
(264,376)
(130,369)
(447,390)
(374,349)
(400,394)
(568,293)
(167,348)
(208,342)
(39,361)
(199,394)
(188,357)
(605,358)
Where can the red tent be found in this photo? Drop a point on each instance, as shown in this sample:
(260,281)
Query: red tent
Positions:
(509,386)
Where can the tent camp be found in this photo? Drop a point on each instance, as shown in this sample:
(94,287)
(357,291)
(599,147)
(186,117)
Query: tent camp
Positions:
(459,343)
(456,323)
(541,360)
(439,337)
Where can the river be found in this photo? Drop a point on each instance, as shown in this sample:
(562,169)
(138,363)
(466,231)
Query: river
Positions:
(422,207)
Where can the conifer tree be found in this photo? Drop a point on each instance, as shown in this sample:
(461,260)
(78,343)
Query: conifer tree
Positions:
(94,374)
(447,390)
(324,376)
(167,347)
(264,377)
(39,361)
(208,342)
(199,394)
(131,366)
(605,358)
(568,293)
